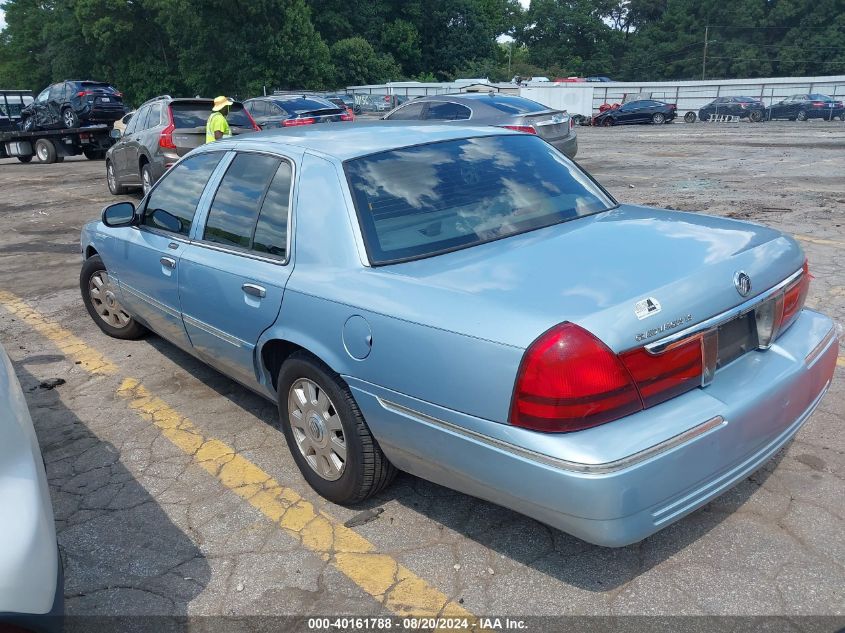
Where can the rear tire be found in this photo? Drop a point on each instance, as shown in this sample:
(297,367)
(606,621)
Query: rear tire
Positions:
(114,184)
(146,178)
(45,151)
(25,159)
(755,116)
(802,116)
(365,470)
(69,118)
(99,297)
(658,118)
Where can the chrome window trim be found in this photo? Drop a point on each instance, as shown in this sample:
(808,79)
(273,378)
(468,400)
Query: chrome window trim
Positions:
(245,252)
(562,464)
(210,329)
(656,347)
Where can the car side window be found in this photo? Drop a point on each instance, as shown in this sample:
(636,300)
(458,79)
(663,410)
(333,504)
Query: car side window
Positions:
(271,231)
(172,204)
(445,111)
(234,211)
(154,116)
(140,120)
(56,92)
(409,112)
(42,97)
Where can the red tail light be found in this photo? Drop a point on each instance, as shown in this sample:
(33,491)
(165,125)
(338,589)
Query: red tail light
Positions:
(528,129)
(660,377)
(295,122)
(84,93)
(818,104)
(569,380)
(165,139)
(793,298)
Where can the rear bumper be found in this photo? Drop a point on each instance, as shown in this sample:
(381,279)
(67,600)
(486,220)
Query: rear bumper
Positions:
(49,622)
(568,145)
(825,113)
(724,433)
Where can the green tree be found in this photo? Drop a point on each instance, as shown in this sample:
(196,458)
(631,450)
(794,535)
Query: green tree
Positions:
(357,63)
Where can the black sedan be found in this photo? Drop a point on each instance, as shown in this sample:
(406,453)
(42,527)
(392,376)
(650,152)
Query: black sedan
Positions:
(808,106)
(293,110)
(71,104)
(642,111)
(742,107)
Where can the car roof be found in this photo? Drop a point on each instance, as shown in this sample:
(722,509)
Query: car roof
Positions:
(345,141)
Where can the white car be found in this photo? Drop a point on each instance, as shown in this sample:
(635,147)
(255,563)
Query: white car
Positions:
(31,579)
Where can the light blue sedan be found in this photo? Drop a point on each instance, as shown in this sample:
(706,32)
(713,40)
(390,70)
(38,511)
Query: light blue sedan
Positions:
(468,305)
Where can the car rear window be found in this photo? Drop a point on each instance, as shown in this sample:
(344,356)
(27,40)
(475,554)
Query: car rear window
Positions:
(96,85)
(188,115)
(818,97)
(298,106)
(513,105)
(428,199)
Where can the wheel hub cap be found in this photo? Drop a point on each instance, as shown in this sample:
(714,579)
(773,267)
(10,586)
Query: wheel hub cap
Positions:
(317,429)
(104,300)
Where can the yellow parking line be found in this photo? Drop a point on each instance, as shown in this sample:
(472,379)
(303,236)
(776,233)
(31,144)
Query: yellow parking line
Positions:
(380,575)
(89,359)
(818,240)
(841,361)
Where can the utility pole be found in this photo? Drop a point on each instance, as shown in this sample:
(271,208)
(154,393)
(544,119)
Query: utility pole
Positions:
(704,57)
(510,53)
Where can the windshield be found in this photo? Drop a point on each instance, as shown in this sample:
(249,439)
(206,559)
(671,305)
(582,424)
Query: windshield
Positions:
(420,201)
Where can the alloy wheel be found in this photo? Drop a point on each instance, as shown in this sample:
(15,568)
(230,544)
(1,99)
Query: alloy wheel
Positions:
(103,298)
(317,429)
(146,181)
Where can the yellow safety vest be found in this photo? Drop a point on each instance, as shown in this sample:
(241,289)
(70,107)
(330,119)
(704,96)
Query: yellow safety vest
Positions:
(216,123)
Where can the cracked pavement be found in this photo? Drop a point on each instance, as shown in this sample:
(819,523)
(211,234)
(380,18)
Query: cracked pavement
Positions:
(145,528)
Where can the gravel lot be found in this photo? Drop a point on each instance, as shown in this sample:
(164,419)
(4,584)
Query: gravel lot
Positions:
(143,528)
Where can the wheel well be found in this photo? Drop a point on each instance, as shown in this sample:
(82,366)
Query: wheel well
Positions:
(276,352)
(143,160)
(90,252)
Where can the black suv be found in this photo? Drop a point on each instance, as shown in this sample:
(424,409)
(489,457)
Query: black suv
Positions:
(71,104)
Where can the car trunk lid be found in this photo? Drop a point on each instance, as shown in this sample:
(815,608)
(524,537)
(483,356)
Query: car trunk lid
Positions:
(550,125)
(596,271)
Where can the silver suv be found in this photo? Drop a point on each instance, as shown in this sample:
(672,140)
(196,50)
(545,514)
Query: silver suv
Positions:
(160,132)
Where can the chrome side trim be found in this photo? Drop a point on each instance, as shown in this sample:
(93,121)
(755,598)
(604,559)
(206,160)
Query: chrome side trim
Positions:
(210,329)
(149,300)
(655,347)
(820,348)
(562,464)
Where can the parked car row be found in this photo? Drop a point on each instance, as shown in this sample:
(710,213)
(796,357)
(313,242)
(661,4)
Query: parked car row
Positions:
(798,107)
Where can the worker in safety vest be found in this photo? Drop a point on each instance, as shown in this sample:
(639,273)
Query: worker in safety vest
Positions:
(217,126)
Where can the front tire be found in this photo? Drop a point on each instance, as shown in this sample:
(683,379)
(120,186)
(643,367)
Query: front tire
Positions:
(115,187)
(146,178)
(689,117)
(326,433)
(99,295)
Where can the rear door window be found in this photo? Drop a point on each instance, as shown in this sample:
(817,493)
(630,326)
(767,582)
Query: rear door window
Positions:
(234,212)
(410,112)
(447,111)
(172,204)
(271,232)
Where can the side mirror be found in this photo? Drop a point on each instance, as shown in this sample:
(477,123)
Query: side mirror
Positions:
(115,134)
(119,214)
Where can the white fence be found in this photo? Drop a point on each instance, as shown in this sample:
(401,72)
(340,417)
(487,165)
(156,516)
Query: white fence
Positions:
(585,98)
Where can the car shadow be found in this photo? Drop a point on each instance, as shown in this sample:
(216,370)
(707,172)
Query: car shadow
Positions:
(122,554)
(509,533)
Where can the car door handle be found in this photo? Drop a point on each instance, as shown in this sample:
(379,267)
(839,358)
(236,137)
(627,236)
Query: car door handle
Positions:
(168,261)
(255,291)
